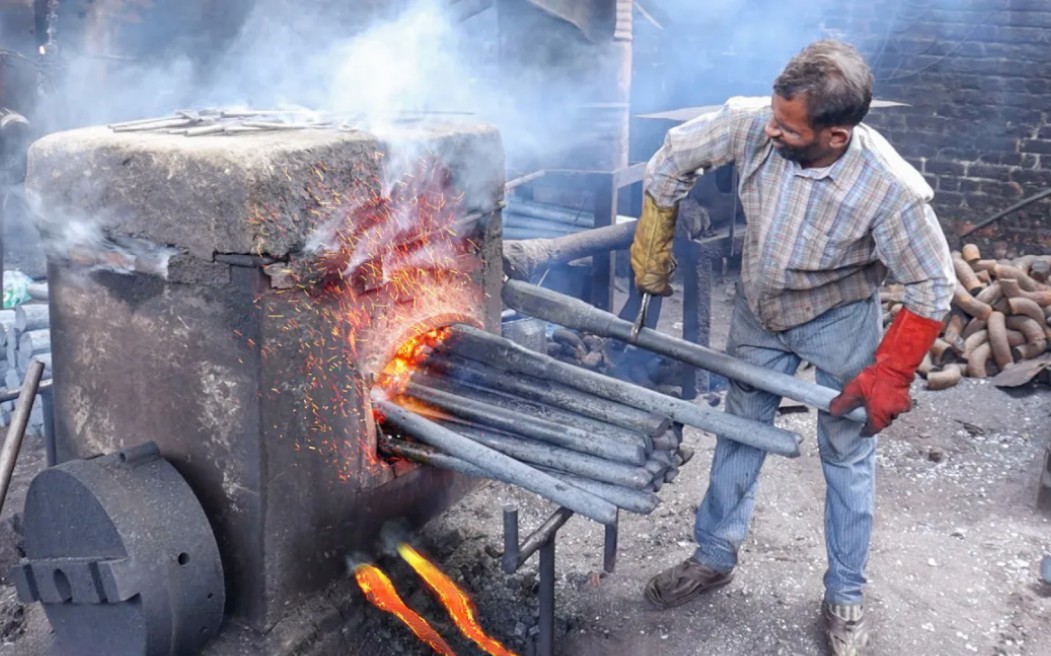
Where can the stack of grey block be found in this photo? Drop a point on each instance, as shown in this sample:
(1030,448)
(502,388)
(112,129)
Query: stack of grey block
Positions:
(24,337)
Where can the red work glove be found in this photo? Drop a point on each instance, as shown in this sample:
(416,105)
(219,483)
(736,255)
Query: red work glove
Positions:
(883,387)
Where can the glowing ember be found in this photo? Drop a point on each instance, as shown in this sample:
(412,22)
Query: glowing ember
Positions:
(380,592)
(462,610)
(410,355)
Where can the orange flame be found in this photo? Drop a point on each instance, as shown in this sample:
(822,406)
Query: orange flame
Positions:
(380,592)
(462,610)
(410,355)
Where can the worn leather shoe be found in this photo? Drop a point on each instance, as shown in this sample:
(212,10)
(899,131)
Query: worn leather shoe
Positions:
(683,582)
(846,631)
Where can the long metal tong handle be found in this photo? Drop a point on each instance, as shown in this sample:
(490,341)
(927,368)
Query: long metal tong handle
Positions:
(640,321)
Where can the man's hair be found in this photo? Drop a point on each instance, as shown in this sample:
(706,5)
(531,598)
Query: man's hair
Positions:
(835,80)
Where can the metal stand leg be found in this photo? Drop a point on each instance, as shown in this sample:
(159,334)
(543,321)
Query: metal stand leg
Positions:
(47,401)
(609,553)
(546,639)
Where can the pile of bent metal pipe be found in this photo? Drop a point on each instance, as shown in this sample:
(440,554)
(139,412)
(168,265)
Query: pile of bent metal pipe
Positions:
(483,405)
(1001,316)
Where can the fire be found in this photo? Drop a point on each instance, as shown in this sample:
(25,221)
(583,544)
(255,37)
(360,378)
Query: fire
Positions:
(462,610)
(409,356)
(379,590)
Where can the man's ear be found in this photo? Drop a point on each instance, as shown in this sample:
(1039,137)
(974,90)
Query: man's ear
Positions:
(838,137)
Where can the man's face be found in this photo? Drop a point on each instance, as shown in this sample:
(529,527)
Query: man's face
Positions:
(793,138)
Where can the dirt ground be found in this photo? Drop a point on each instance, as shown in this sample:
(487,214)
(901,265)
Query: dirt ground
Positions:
(954,566)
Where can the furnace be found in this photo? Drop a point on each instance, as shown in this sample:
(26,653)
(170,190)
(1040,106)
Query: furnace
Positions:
(232,297)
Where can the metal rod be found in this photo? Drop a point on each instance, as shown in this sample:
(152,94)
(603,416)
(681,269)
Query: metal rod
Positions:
(479,345)
(12,394)
(999,215)
(554,394)
(512,403)
(523,179)
(567,311)
(546,533)
(555,213)
(47,400)
(508,469)
(16,431)
(546,594)
(523,259)
(552,457)
(636,501)
(510,562)
(564,436)
(609,550)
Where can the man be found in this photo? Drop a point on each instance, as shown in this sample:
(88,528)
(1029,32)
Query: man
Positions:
(830,206)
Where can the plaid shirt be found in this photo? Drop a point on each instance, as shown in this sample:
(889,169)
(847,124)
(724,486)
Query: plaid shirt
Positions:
(816,238)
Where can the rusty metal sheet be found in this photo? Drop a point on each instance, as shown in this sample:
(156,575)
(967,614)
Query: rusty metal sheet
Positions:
(1022,373)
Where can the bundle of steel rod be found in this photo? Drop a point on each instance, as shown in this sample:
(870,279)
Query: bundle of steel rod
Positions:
(486,406)
(24,337)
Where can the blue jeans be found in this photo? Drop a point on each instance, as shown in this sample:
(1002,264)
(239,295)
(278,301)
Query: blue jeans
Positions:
(839,343)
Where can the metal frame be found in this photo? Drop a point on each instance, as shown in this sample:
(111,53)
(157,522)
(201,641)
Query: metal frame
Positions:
(543,540)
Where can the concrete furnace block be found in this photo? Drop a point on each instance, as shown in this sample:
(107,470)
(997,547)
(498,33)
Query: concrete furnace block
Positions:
(244,193)
(258,395)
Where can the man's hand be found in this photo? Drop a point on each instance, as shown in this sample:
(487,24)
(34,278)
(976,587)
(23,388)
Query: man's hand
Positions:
(883,388)
(651,251)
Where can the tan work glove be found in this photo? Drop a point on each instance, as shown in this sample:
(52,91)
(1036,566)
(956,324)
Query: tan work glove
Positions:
(651,250)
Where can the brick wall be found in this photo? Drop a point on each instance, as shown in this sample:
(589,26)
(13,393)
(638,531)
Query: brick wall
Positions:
(978,76)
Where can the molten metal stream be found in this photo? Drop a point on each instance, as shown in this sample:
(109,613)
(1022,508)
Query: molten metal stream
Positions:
(463,611)
(380,592)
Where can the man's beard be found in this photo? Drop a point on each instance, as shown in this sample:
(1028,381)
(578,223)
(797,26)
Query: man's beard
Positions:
(798,154)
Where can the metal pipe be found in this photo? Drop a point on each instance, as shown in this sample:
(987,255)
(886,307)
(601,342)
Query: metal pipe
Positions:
(553,213)
(546,596)
(16,431)
(510,562)
(568,437)
(553,394)
(503,467)
(515,404)
(474,344)
(551,457)
(47,400)
(609,547)
(523,259)
(542,535)
(565,310)
(635,501)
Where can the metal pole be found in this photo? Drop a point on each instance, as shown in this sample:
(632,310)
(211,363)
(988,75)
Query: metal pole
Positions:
(546,639)
(573,313)
(567,437)
(509,469)
(17,430)
(609,552)
(552,394)
(450,382)
(47,398)
(496,351)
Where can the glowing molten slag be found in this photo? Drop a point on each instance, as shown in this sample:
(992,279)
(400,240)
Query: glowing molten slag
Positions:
(380,592)
(462,610)
(410,355)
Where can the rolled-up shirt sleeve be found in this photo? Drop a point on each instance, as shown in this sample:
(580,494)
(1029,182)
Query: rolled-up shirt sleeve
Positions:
(702,143)
(913,246)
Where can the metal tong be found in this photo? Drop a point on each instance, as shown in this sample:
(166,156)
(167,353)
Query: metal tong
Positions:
(640,321)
